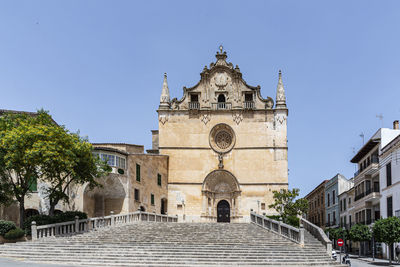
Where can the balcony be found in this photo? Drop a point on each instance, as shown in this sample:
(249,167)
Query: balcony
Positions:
(370,168)
(221,106)
(194,105)
(372,194)
(248,105)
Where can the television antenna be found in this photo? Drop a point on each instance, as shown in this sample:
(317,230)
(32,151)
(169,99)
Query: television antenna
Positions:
(362,136)
(380,117)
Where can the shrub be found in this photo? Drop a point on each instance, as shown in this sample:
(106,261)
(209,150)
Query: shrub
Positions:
(46,219)
(6,226)
(14,234)
(293,221)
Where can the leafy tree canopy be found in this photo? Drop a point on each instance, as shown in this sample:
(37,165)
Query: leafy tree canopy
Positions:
(360,232)
(286,205)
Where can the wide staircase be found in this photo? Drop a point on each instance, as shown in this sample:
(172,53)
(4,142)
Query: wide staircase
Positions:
(172,244)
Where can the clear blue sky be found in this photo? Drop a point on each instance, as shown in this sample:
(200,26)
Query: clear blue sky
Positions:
(98,66)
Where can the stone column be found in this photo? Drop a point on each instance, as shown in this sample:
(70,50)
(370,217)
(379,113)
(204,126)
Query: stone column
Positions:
(76,224)
(112,218)
(205,204)
(301,233)
(34,231)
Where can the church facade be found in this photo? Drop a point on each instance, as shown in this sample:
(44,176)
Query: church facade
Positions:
(226,144)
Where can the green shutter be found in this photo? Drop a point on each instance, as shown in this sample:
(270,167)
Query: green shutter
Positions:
(33,184)
(138,172)
(159,179)
(152,199)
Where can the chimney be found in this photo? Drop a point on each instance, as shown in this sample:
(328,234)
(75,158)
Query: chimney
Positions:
(396,125)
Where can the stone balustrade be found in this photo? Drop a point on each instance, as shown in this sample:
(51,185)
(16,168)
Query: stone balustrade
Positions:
(86,225)
(319,234)
(285,230)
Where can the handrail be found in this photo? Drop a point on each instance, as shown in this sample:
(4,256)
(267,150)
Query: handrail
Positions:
(319,234)
(86,225)
(285,230)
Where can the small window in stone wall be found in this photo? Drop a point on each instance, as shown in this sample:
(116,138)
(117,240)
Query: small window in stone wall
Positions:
(263,206)
(159,179)
(137,172)
(179,206)
(152,199)
(136,194)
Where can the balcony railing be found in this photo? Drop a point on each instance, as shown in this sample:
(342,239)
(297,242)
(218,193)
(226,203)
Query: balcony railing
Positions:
(374,159)
(194,105)
(221,106)
(248,105)
(359,196)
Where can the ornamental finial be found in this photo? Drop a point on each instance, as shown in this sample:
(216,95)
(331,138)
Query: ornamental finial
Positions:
(221,48)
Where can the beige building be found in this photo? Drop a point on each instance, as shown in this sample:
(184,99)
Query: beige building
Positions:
(227,146)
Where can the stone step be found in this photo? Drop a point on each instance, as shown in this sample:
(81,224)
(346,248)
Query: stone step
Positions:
(172,244)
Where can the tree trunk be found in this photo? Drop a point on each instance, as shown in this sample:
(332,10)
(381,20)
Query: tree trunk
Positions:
(390,253)
(52,207)
(21,212)
(359,249)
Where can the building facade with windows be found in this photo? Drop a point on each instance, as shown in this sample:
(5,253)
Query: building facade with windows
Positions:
(227,145)
(367,182)
(333,188)
(316,205)
(389,178)
(138,181)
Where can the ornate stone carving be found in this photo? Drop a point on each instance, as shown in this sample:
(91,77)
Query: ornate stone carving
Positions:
(221,80)
(222,138)
(237,117)
(280,119)
(163,119)
(206,118)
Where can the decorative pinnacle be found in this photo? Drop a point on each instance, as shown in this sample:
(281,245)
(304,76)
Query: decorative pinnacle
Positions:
(221,48)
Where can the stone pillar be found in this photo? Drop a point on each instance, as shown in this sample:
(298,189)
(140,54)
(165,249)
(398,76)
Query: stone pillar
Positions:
(301,233)
(279,227)
(34,231)
(76,224)
(112,218)
(205,204)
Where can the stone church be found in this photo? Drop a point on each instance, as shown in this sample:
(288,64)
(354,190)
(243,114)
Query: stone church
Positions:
(220,151)
(226,143)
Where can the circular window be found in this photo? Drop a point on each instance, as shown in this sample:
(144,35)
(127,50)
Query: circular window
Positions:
(222,138)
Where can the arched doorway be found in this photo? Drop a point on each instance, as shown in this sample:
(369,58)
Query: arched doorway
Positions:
(220,193)
(223,211)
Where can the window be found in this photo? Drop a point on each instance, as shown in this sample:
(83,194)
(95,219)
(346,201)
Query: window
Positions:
(121,162)
(344,204)
(389,174)
(329,218)
(109,159)
(389,207)
(248,97)
(179,206)
(340,205)
(329,200)
(263,206)
(194,98)
(334,217)
(33,184)
(137,172)
(350,220)
(221,98)
(137,194)
(159,179)
(152,199)
(349,201)
(333,197)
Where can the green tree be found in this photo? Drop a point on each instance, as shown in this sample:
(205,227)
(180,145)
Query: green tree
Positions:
(286,205)
(20,135)
(67,160)
(360,233)
(387,231)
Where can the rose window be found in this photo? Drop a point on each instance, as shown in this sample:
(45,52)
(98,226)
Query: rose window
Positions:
(223,139)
